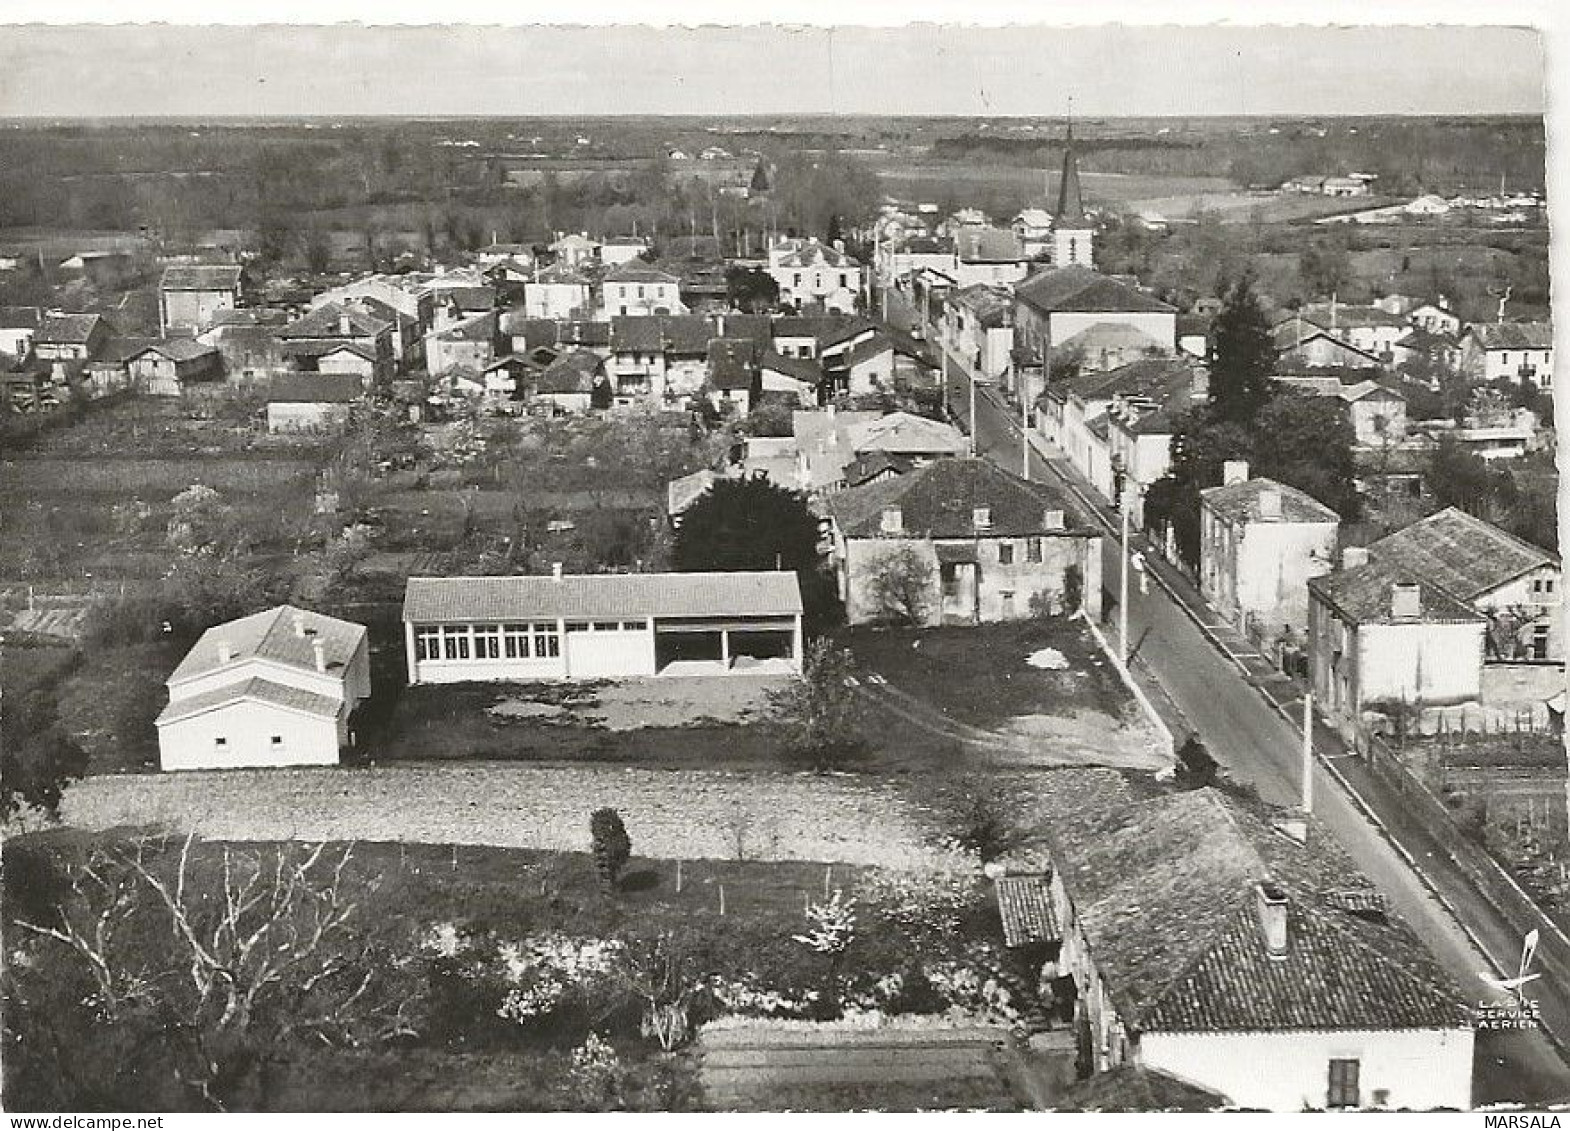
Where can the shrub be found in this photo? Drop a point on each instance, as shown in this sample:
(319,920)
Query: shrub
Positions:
(610,846)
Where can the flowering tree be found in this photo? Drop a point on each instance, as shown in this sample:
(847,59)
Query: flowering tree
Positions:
(831,930)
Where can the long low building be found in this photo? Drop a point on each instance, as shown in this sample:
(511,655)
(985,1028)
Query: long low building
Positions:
(601,626)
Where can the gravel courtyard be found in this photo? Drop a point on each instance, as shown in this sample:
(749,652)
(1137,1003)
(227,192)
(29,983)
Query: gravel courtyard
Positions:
(669,813)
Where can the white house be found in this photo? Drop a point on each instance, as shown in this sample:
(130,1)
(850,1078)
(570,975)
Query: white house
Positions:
(601,626)
(813,273)
(575,249)
(1203,940)
(1033,228)
(978,328)
(1259,544)
(1052,306)
(557,291)
(188,297)
(276,688)
(1510,351)
(989,256)
(622,249)
(18,324)
(636,287)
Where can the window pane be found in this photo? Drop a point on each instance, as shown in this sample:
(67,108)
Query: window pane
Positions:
(606,626)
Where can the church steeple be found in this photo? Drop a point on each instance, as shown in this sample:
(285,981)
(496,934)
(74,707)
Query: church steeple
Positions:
(1072,234)
(1071,206)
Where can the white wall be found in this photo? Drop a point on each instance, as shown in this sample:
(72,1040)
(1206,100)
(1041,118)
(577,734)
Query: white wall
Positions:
(1421,1069)
(1158,324)
(1434,663)
(553,300)
(1274,563)
(1550,606)
(248,727)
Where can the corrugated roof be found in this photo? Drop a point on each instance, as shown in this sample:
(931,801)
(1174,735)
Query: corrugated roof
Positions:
(1240,501)
(200,278)
(445,600)
(273,635)
(256,688)
(1458,552)
(940,500)
(1025,906)
(1080,289)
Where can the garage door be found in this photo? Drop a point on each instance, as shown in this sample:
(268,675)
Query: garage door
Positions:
(608,649)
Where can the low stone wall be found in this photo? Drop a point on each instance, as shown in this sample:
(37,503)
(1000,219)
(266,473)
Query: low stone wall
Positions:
(671,814)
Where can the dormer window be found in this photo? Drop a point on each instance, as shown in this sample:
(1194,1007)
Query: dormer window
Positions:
(981,518)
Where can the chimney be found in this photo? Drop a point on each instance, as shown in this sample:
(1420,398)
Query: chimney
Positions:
(225,652)
(981,518)
(1270,902)
(1053,520)
(1354,557)
(893,520)
(1234,471)
(556,570)
(343,325)
(1270,503)
(1406,600)
(319,650)
(299,625)
(839,245)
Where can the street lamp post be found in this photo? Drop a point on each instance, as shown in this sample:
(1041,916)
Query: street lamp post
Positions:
(1024,430)
(971,376)
(1123,581)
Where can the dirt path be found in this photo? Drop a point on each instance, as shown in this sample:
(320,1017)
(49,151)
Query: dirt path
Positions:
(1038,742)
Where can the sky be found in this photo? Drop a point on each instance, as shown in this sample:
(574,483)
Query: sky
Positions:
(281,70)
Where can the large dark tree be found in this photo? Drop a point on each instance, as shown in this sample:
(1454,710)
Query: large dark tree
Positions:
(38,758)
(1245,354)
(751,290)
(753,524)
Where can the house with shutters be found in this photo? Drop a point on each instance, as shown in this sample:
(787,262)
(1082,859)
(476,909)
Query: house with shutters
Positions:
(277,688)
(1517,352)
(1053,305)
(189,297)
(1449,618)
(810,273)
(1260,542)
(340,338)
(637,287)
(601,626)
(969,543)
(561,290)
(1245,954)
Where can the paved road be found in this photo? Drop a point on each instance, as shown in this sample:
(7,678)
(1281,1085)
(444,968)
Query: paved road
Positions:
(1255,744)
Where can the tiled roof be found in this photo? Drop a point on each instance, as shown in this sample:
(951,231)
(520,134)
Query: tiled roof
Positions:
(584,332)
(438,600)
(19,317)
(940,499)
(1362,596)
(640,271)
(1034,218)
(687,335)
(209,278)
(1134,1088)
(989,245)
(799,368)
(256,688)
(67,329)
(248,316)
(1459,552)
(1154,377)
(573,241)
(870,348)
(1346,315)
(313,388)
(468,298)
(1081,289)
(1240,502)
(177,349)
(480,328)
(273,635)
(328,321)
(1099,336)
(322,347)
(1025,906)
(732,363)
(905,432)
(637,333)
(814,254)
(572,372)
(992,305)
(758,327)
(1164,892)
(561,274)
(1515,335)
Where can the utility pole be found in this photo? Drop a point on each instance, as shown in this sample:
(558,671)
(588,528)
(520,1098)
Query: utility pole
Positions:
(1308,752)
(972,421)
(1024,430)
(1123,582)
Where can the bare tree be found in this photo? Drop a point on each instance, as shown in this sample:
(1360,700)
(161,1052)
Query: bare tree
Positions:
(267,952)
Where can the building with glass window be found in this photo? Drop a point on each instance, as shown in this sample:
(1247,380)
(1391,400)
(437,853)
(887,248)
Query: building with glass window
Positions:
(601,626)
